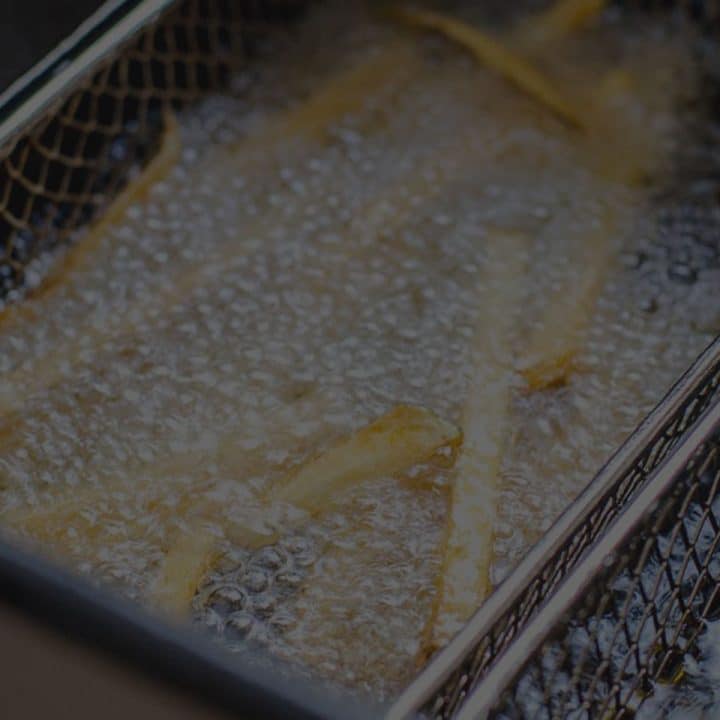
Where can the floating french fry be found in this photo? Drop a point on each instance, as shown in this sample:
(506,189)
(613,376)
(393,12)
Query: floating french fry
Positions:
(498,57)
(468,548)
(183,570)
(86,512)
(400,194)
(405,436)
(560,19)
(344,93)
(157,480)
(554,344)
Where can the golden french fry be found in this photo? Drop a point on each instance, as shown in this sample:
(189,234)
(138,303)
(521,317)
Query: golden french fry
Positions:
(343,93)
(468,547)
(497,56)
(156,480)
(404,436)
(560,19)
(550,354)
(81,512)
(183,570)
(399,194)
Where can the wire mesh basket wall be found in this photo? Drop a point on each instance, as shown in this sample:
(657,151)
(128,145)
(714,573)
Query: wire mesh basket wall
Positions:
(442,690)
(643,611)
(60,165)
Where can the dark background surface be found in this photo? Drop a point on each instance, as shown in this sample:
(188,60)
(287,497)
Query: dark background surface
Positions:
(31,28)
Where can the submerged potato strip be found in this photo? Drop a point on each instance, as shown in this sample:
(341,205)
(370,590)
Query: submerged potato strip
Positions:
(183,570)
(40,521)
(344,93)
(560,19)
(405,436)
(467,554)
(497,56)
(558,338)
(27,380)
(47,372)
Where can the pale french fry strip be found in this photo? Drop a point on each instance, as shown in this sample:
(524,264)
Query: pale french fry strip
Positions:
(81,513)
(183,570)
(553,346)
(468,549)
(40,522)
(404,436)
(497,56)
(559,20)
(346,92)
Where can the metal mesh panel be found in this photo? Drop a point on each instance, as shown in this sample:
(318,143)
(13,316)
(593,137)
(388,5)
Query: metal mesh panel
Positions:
(640,616)
(62,170)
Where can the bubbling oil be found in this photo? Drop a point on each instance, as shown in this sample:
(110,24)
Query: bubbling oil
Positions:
(283,290)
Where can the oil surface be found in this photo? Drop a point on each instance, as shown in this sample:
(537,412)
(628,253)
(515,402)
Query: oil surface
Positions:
(283,287)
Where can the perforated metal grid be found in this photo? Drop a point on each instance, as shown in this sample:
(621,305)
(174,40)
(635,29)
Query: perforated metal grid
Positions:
(642,613)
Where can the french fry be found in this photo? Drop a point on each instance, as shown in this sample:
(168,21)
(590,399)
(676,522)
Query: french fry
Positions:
(161,475)
(47,372)
(81,512)
(464,581)
(553,346)
(497,56)
(183,569)
(343,93)
(402,437)
(405,436)
(562,18)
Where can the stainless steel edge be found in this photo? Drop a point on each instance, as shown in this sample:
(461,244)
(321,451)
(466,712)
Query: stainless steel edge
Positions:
(484,697)
(67,75)
(132,650)
(66,46)
(447,660)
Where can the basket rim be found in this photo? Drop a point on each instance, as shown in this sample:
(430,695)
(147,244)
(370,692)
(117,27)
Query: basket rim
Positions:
(49,81)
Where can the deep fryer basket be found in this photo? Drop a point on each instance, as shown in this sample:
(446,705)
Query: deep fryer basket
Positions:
(71,131)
